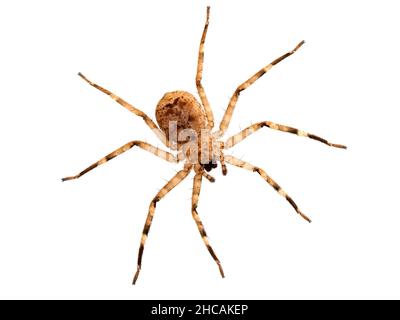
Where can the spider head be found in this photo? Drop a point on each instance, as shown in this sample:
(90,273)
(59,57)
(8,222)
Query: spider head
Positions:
(209,166)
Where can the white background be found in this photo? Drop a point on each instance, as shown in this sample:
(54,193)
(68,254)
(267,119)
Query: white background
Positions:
(79,239)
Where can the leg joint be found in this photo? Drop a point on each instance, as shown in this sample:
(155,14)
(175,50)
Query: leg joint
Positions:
(258,170)
(135,142)
(155,200)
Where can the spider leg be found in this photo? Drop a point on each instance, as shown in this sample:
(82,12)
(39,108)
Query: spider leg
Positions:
(208,177)
(235,139)
(222,158)
(195,200)
(199,76)
(179,177)
(131,108)
(144,145)
(245,165)
(232,103)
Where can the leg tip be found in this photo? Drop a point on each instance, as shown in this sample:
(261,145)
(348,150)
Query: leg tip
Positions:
(68,178)
(305,217)
(208,14)
(84,78)
(298,46)
(221,271)
(340,146)
(135,277)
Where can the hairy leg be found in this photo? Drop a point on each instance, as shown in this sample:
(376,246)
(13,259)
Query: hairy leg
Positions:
(232,103)
(222,158)
(179,177)
(235,139)
(195,201)
(144,145)
(245,165)
(208,177)
(199,76)
(131,108)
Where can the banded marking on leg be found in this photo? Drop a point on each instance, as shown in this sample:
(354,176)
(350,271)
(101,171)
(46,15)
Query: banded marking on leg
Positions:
(232,103)
(171,184)
(199,76)
(143,145)
(195,200)
(235,139)
(245,165)
(208,177)
(150,123)
(223,165)
(145,234)
(222,158)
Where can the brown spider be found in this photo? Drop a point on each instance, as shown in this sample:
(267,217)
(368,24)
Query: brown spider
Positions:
(186,126)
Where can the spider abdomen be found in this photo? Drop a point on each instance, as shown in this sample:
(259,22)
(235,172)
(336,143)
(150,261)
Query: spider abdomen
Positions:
(178,113)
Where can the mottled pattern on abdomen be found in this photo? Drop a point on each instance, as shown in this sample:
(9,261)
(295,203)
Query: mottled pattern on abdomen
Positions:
(183,108)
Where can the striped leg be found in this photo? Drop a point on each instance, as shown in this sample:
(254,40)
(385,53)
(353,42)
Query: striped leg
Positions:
(223,165)
(208,177)
(222,158)
(178,178)
(199,76)
(131,108)
(144,145)
(253,128)
(195,201)
(232,103)
(245,165)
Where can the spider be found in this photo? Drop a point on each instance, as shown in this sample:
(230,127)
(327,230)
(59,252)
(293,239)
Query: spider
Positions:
(185,126)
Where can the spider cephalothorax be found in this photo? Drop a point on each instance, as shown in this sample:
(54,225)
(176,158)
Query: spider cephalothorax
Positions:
(186,126)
